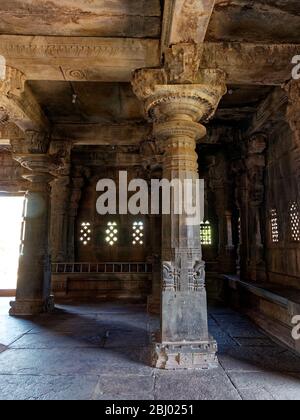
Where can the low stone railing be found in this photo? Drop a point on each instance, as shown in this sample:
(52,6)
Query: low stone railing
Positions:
(102,268)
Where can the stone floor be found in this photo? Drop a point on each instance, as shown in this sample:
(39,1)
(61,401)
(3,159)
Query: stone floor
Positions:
(97,352)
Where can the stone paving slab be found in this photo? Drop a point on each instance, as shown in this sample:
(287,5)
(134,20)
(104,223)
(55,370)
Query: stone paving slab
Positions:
(125,387)
(267,385)
(44,387)
(259,359)
(73,361)
(101,352)
(195,385)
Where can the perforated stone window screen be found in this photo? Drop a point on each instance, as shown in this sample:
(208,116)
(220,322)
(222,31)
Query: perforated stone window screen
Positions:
(138,234)
(274,226)
(112,233)
(206,233)
(295,222)
(85,233)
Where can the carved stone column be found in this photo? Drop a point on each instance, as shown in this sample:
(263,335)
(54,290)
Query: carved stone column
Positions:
(60,200)
(60,194)
(175,106)
(77,183)
(34,274)
(221,186)
(255,165)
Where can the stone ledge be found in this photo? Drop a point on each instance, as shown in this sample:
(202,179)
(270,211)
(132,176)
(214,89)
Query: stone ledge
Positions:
(268,306)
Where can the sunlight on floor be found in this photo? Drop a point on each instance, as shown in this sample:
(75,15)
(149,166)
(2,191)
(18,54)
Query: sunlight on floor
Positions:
(11,211)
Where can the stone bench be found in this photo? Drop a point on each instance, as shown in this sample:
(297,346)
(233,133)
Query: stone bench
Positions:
(270,306)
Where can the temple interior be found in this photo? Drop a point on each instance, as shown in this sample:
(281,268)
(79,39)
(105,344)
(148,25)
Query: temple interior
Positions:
(159,89)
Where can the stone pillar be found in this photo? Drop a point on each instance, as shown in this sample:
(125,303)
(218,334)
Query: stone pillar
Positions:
(60,195)
(255,165)
(34,274)
(60,201)
(77,183)
(175,105)
(221,187)
(241,201)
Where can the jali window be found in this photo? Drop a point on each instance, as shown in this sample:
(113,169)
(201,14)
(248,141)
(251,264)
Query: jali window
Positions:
(85,233)
(295,222)
(112,233)
(274,226)
(138,233)
(206,233)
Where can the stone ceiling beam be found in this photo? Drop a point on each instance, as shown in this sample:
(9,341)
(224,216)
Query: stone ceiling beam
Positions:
(185,21)
(251,64)
(113,60)
(270,110)
(102,135)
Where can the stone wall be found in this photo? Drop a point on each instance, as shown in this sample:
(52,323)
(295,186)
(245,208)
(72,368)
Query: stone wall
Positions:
(282,255)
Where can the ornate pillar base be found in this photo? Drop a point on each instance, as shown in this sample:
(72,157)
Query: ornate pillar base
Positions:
(30,307)
(185,355)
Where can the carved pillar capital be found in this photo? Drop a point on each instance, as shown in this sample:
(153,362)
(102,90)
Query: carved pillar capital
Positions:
(18,104)
(11,89)
(166,101)
(32,142)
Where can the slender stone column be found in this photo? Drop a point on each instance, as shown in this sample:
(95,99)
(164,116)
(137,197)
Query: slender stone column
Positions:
(221,186)
(60,195)
(175,109)
(76,193)
(255,164)
(34,275)
(60,200)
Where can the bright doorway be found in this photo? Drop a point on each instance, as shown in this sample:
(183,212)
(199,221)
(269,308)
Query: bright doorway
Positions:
(11,218)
